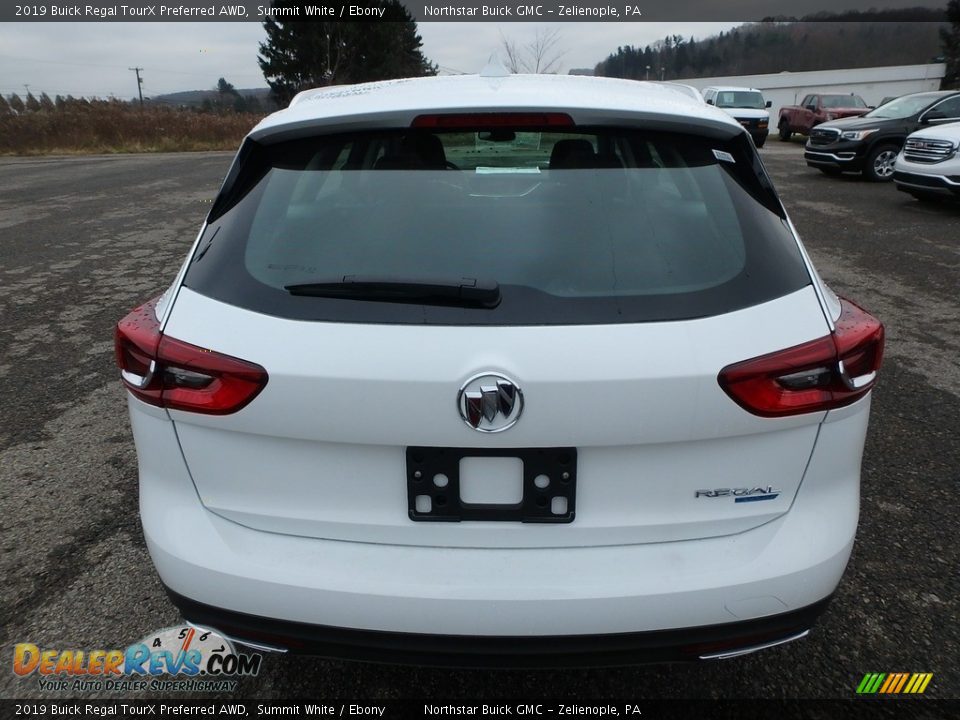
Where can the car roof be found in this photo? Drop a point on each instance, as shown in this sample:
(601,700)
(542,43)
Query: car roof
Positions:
(932,94)
(588,100)
(728,88)
(688,90)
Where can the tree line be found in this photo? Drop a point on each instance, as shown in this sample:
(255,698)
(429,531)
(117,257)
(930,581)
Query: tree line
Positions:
(224,98)
(819,42)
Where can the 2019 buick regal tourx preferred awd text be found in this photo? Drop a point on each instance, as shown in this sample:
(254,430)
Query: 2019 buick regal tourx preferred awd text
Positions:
(525,370)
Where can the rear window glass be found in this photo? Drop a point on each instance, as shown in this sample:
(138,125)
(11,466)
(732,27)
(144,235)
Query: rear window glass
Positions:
(585,226)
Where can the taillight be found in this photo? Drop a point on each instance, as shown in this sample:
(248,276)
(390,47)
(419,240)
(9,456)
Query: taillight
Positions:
(169,373)
(822,374)
(482,121)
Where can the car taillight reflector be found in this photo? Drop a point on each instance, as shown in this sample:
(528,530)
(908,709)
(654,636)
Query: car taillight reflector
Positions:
(822,374)
(169,373)
(481,121)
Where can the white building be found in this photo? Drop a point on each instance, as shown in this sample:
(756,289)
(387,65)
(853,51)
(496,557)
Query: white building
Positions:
(872,84)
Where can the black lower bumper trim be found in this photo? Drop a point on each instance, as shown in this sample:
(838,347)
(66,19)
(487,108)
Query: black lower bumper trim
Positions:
(914,182)
(678,645)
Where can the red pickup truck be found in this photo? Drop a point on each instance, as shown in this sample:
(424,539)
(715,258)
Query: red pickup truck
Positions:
(816,109)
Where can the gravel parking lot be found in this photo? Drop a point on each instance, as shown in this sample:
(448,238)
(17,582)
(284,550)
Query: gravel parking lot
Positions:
(84,239)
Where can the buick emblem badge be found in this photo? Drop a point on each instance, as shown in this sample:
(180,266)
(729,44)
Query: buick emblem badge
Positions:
(490,402)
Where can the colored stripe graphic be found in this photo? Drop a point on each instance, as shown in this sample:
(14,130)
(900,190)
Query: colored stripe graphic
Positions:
(891,680)
(894,683)
(899,685)
(756,498)
(862,687)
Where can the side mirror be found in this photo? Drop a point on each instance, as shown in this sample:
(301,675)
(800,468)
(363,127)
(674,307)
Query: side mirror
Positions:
(709,102)
(933,116)
(769,103)
(812,108)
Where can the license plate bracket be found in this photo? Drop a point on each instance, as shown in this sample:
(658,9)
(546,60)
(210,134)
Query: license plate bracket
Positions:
(553,502)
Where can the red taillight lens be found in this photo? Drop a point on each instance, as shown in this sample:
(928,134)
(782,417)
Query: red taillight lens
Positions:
(169,373)
(482,121)
(823,374)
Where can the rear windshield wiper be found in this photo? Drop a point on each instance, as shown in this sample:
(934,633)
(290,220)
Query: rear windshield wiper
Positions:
(466,292)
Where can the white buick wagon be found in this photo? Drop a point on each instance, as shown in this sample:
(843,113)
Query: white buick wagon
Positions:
(475,370)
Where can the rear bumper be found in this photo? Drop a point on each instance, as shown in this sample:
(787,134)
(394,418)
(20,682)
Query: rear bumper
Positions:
(748,588)
(678,645)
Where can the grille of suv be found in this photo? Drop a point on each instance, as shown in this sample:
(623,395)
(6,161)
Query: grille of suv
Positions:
(927,151)
(823,136)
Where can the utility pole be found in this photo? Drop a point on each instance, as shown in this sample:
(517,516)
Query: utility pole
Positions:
(139,82)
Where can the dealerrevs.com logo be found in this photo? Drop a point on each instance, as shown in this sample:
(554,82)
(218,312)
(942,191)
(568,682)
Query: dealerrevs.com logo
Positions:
(197,658)
(898,683)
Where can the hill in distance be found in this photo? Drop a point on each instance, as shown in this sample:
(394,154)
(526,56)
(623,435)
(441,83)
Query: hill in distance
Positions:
(195,98)
(817,42)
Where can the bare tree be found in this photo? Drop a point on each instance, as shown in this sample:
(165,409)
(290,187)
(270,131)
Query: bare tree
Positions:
(512,54)
(541,55)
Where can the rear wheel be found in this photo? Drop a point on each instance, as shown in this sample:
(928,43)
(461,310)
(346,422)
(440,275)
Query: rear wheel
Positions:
(784,129)
(879,165)
(759,143)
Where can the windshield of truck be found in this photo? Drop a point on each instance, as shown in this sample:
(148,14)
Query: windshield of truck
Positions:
(740,99)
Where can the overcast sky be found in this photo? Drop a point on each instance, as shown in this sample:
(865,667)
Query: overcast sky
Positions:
(91,59)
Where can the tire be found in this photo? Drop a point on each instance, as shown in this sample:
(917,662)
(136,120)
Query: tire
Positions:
(879,163)
(784,129)
(832,172)
(760,144)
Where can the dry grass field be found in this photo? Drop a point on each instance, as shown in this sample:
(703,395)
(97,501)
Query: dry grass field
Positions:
(101,126)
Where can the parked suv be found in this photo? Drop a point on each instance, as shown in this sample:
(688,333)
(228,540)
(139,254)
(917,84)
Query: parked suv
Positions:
(516,369)
(870,144)
(746,106)
(928,167)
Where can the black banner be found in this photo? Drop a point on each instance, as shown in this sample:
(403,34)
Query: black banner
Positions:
(854,709)
(454,10)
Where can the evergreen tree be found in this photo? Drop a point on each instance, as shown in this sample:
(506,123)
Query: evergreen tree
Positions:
(299,55)
(32,103)
(950,40)
(4,107)
(16,104)
(227,96)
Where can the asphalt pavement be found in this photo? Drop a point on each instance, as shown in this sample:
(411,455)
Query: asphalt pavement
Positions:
(84,239)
